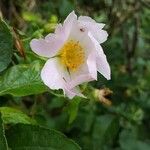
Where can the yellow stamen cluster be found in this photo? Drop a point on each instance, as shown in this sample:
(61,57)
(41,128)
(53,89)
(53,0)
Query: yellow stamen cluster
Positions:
(72,55)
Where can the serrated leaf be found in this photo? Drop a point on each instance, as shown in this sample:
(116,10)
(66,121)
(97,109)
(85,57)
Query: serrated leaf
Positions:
(22,80)
(3,142)
(14,116)
(27,137)
(6,45)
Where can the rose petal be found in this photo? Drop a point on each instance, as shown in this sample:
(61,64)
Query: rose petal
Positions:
(91,62)
(73,92)
(95,28)
(49,46)
(77,80)
(53,75)
(101,60)
(70,19)
(86,19)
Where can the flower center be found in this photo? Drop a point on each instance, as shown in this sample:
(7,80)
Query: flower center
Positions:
(72,55)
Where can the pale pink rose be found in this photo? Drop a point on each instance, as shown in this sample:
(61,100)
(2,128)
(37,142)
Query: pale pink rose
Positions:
(74,53)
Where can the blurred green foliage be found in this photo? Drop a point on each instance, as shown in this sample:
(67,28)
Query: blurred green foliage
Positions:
(123,124)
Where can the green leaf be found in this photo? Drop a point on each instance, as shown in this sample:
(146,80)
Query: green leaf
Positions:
(3,142)
(27,137)
(129,141)
(6,45)
(14,116)
(65,7)
(105,130)
(22,80)
(135,145)
(32,17)
(72,109)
